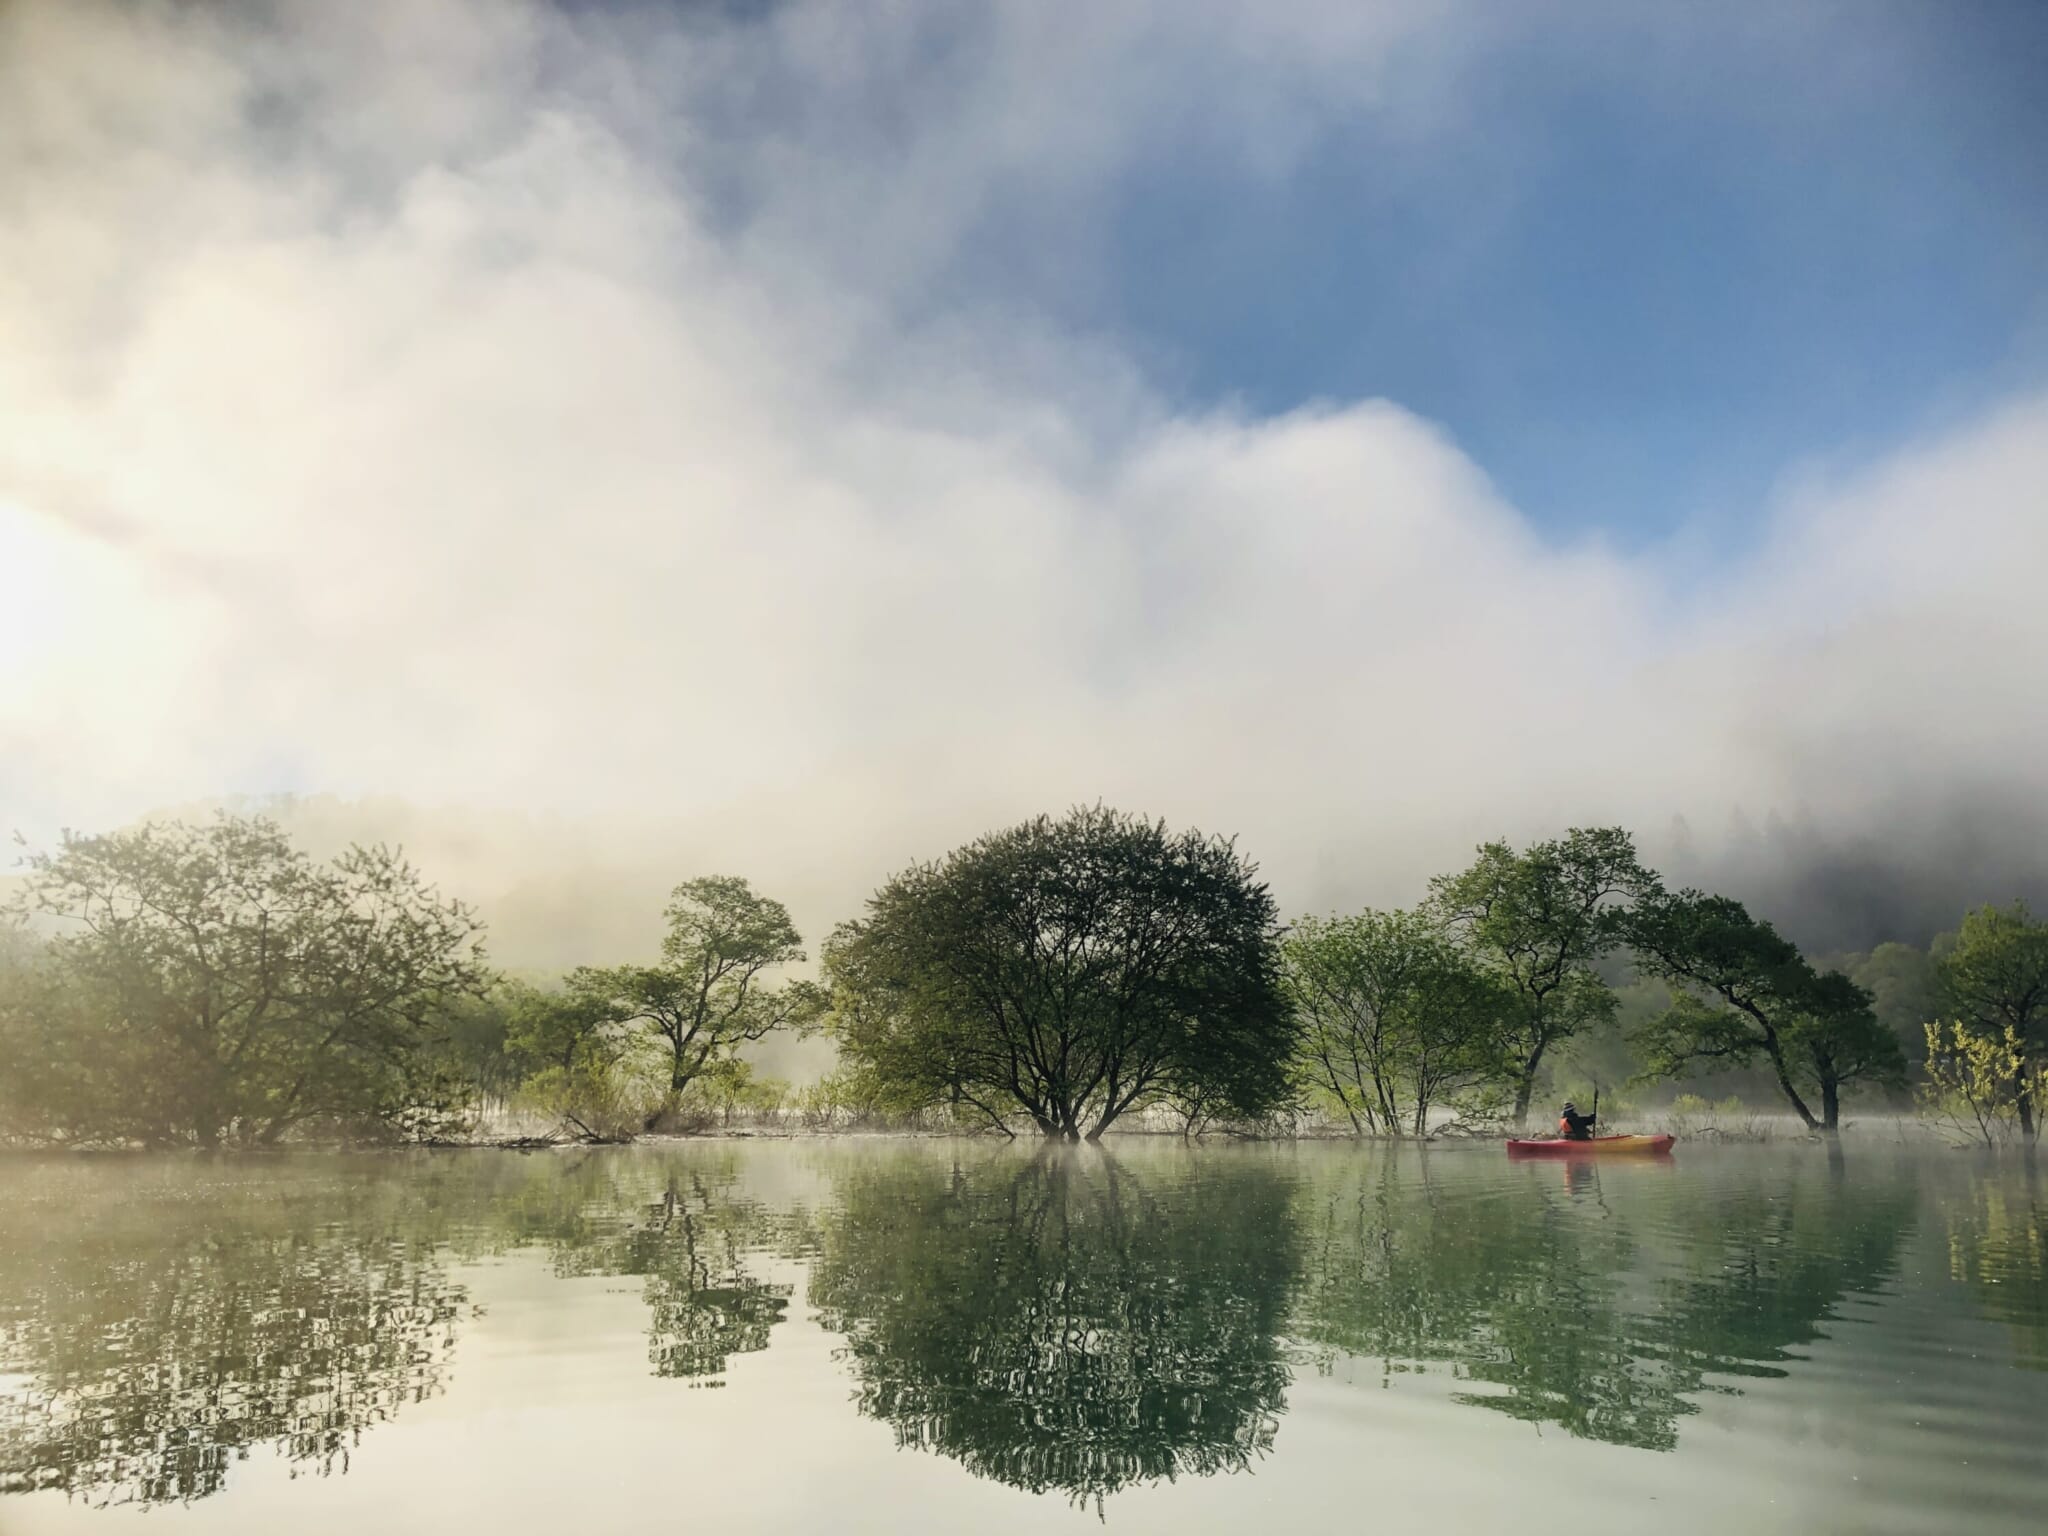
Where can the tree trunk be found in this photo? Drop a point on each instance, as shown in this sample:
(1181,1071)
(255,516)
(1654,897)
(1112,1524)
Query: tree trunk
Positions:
(2023,1098)
(1390,1112)
(1785,1084)
(1831,1106)
(1525,1090)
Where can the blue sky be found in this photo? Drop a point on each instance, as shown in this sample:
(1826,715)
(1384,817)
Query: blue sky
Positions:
(1638,274)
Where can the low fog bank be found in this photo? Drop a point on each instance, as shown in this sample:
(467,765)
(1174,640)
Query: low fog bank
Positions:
(1851,888)
(560,891)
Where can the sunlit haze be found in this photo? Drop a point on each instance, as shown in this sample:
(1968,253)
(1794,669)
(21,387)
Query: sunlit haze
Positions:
(793,438)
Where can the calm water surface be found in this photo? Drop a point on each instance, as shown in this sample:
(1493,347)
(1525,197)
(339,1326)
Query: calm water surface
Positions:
(888,1336)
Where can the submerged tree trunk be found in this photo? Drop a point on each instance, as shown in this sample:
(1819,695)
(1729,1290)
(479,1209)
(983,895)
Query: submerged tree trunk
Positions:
(2023,1099)
(1831,1106)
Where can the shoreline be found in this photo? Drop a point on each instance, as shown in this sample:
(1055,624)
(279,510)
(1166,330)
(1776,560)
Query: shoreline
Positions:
(1894,1131)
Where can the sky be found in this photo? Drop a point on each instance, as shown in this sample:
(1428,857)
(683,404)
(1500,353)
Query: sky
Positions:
(609,442)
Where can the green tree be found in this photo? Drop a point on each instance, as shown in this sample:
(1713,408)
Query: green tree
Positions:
(474,1043)
(214,985)
(711,993)
(1904,989)
(1070,969)
(1540,919)
(564,1027)
(1995,979)
(1837,1043)
(1394,1016)
(578,1059)
(1743,992)
(1971,1077)
(59,1058)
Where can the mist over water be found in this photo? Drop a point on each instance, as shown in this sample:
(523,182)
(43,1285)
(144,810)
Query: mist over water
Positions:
(597,445)
(901,1335)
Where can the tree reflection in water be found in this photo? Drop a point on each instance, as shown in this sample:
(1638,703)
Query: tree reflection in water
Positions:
(1994,1218)
(694,1246)
(158,1330)
(1077,1321)
(1557,1306)
(151,1347)
(1065,1323)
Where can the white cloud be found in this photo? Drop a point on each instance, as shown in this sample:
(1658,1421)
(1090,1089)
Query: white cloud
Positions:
(393,406)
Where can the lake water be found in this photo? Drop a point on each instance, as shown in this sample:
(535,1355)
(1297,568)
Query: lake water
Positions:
(887,1336)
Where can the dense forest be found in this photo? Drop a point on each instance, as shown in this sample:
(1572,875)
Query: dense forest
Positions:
(215,986)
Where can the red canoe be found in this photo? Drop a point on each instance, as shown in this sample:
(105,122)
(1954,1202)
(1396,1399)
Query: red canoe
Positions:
(1608,1146)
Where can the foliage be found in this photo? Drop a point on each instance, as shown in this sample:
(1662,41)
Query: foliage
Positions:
(214,985)
(578,1061)
(1976,1081)
(1904,990)
(1994,979)
(710,994)
(50,1040)
(596,1101)
(1540,919)
(853,1096)
(1748,993)
(473,1044)
(1395,1017)
(1836,1042)
(731,1087)
(564,1027)
(1069,969)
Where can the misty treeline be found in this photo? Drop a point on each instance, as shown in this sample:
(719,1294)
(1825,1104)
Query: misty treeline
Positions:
(214,986)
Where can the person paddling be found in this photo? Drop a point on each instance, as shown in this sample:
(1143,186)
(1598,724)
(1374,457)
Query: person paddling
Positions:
(1572,1125)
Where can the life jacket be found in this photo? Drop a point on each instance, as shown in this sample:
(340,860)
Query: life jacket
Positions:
(1564,1126)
